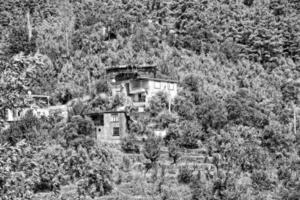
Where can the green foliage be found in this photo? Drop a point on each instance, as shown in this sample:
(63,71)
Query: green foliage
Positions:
(164,119)
(27,128)
(128,145)
(184,107)
(276,138)
(158,103)
(238,62)
(30,169)
(101,86)
(244,109)
(190,133)
(185,175)
(211,113)
(173,133)
(191,82)
(151,148)
(173,150)
(77,131)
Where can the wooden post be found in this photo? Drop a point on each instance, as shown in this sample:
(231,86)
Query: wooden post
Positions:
(295,120)
(169,104)
(67,43)
(29,28)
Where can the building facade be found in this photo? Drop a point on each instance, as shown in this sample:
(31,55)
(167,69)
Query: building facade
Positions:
(110,126)
(140,90)
(39,105)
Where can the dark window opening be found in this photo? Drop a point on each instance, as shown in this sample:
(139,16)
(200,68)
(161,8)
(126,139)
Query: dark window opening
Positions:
(116,131)
(141,97)
(114,117)
(98,120)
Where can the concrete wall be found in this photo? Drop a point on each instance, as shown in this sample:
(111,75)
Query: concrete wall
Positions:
(105,132)
(158,86)
(18,113)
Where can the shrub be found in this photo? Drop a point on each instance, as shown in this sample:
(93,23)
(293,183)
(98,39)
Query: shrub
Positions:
(189,134)
(172,133)
(185,175)
(27,128)
(211,113)
(101,86)
(173,151)
(191,82)
(261,180)
(75,132)
(158,103)
(125,163)
(152,148)
(128,145)
(184,107)
(243,109)
(27,169)
(165,118)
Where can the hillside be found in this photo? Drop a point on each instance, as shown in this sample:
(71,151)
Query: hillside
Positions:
(238,66)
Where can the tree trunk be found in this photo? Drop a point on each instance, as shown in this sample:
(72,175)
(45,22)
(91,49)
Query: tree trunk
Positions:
(29,27)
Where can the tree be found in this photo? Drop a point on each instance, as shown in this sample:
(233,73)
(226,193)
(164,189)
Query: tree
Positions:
(164,119)
(128,144)
(158,103)
(242,108)
(190,133)
(22,74)
(173,151)
(151,149)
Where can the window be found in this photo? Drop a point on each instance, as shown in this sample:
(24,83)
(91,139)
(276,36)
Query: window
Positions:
(141,109)
(98,120)
(15,113)
(171,86)
(114,117)
(116,131)
(157,85)
(141,97)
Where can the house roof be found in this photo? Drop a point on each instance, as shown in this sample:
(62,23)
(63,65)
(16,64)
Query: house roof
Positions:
(104,112)
(157,79)
(137,91)
(131,68)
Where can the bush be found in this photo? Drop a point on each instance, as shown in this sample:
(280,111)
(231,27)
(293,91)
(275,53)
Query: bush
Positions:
(101,86)
(75,132)
(243,109)
(158,103)
(185,175)
(191,82)
(173,151)
(261,180)
(172,133)
(190,132)
(27,169)
(152,148)
(165,118)
(27,128)
(211,113)
(128,145)
(184,107)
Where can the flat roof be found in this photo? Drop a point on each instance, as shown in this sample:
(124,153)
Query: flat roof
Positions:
(145,68)
(157,79)
(104,112)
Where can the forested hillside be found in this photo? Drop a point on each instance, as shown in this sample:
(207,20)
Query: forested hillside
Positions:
(238,64)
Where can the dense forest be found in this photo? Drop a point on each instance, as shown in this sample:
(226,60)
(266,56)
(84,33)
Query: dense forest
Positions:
(238,66)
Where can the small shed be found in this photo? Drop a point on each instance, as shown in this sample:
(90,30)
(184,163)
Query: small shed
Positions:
(110,126)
